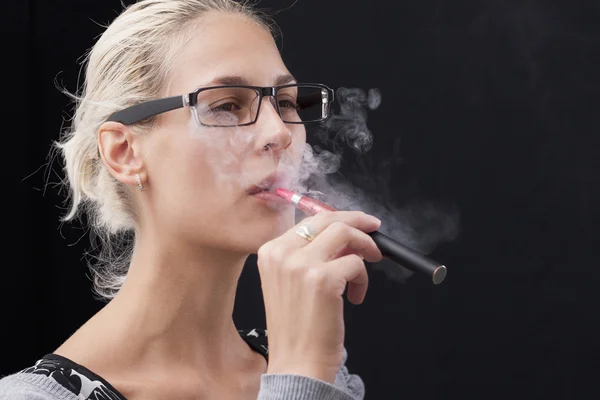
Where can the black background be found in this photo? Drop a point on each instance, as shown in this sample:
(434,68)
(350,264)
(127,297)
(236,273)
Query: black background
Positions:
(494,105)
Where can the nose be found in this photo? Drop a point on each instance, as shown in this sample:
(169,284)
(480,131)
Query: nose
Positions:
(275,135)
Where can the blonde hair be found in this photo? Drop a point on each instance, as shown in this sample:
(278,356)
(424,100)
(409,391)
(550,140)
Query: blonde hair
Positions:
(129,64)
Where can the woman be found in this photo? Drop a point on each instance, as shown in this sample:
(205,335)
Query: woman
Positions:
(188,121)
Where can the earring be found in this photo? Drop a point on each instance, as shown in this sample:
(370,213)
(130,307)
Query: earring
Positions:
(139,182)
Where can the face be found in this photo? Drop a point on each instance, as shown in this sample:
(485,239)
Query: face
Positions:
(199,177)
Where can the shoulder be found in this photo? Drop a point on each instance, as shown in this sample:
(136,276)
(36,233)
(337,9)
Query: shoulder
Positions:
(31,386)
(56,377)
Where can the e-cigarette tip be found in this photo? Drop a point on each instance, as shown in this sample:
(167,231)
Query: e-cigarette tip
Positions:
(439,274)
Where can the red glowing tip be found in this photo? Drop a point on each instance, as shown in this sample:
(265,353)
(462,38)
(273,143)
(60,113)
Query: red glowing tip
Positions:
(286,194)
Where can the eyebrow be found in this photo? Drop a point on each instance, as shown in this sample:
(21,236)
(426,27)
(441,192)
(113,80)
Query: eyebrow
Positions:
(284,79)
(240,80)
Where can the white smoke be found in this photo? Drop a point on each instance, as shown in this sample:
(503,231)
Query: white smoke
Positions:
(419,225)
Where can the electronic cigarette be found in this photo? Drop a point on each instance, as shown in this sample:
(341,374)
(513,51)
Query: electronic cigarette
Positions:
(390,248)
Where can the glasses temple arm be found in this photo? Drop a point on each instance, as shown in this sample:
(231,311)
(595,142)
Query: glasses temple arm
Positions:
(139,112)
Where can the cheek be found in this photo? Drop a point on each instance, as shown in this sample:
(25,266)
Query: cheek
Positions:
(222,151)
(295,152)
(298,146)
(197,195)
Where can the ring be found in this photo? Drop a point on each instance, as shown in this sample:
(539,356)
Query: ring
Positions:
(305,232)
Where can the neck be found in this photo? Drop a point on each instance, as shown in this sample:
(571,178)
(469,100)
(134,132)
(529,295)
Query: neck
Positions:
(179,302)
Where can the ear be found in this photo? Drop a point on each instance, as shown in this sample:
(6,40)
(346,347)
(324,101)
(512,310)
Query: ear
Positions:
(120,151)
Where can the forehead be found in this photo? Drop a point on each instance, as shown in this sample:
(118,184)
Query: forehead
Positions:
(227,45)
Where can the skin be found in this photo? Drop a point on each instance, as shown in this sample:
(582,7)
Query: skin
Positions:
(169,332)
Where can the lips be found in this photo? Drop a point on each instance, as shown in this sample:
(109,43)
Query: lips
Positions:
(265,185)
(257,189)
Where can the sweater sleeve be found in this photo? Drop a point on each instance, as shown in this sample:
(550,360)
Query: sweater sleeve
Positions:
(32,387)
(297,387)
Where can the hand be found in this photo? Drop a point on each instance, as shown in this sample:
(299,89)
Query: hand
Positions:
(303,283)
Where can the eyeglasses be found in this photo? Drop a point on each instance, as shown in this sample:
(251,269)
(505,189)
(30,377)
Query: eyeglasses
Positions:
(229,106)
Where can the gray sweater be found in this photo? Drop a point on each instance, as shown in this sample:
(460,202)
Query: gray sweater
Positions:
(27,385)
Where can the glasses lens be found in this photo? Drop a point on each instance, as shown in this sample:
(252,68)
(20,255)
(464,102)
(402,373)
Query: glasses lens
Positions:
(228,106)
(302,104)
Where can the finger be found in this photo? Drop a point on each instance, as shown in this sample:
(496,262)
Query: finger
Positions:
(344,251)
(356,219)
(319,222)
(350,269)
(339,235)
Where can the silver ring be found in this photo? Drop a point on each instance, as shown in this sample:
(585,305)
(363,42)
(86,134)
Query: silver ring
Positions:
(305,232)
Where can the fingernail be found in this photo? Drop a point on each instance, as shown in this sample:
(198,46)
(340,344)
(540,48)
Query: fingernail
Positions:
(376,220)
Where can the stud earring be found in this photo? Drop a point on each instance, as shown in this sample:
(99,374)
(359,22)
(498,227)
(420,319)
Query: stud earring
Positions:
(139,182)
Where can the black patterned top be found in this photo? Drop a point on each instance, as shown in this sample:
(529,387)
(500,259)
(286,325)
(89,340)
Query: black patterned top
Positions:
(86,385)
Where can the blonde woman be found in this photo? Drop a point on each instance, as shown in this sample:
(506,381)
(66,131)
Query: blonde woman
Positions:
(187,122)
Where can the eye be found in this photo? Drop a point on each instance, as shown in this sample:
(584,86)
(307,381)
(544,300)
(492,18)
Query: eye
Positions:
(226,107)
(287,104)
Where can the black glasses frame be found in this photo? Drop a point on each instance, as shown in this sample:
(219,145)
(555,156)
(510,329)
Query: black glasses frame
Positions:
(142,111)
